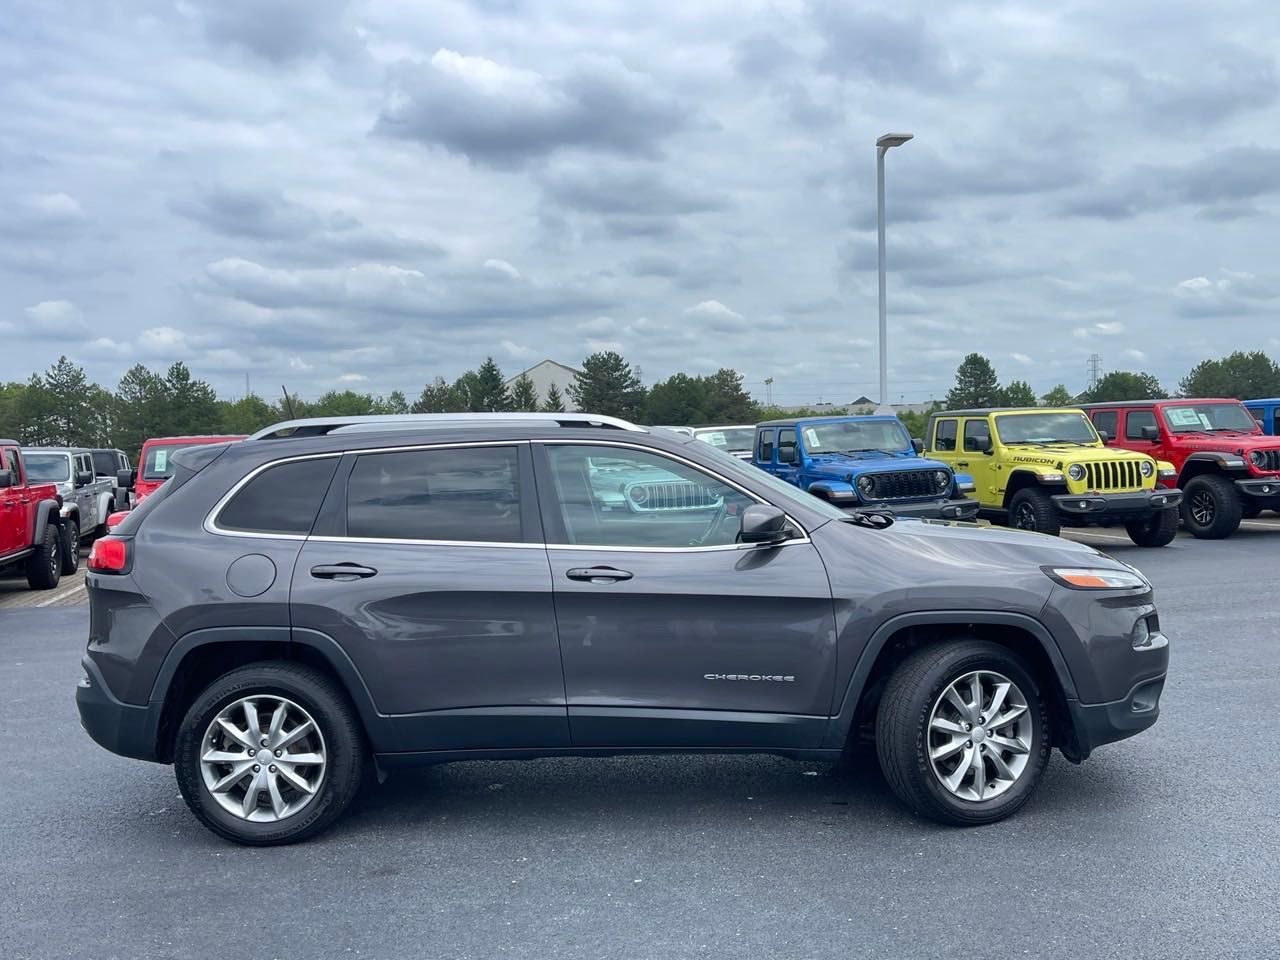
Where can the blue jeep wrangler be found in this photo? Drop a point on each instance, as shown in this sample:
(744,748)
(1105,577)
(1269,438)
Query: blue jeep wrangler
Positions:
(861,464)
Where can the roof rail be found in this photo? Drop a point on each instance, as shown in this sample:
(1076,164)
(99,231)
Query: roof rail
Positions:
(321,426)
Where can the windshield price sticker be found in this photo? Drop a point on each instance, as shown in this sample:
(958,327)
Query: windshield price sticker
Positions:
(162,460)
(811,438)
(1184,417)
(715,439)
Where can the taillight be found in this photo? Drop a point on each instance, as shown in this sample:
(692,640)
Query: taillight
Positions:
(114,519)
(109,555)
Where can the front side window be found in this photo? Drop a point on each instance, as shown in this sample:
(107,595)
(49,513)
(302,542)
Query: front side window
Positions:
(457,494)
(48,468)
(854,436)
(1135,420)
(787,445)
(764,448)
(1046,428)
(976,435)
(1210,418)
(619,497)
(944,435)
(281,499)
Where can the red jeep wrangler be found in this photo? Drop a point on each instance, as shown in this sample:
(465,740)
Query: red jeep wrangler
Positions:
(1227,466)
(31,532)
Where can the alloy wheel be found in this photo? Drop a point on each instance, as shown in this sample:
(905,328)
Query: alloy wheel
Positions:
(1203,508)
(263,758)
(1025,519)
(980,736)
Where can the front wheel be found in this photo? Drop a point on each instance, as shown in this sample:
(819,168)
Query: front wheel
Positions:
(1031,509)
(269,754)
(962,732)
(1211,508)
(1154,531)
(44,566)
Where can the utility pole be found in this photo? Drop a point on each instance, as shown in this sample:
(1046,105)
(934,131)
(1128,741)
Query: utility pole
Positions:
(1095,369)
(883,145)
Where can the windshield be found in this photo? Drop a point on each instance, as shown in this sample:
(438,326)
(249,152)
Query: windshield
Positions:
(157,462)
(1045,428)
(854,436)
(728,438)
(1210,418)
(48,467)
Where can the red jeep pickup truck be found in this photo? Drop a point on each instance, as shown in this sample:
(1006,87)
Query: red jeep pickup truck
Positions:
(32,539)
(154,466)
(1227,466)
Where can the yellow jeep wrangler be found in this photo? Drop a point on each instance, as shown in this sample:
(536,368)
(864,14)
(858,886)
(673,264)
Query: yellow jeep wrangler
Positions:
(1038,468)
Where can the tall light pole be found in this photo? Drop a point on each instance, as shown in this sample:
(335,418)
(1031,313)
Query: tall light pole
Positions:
(882,147)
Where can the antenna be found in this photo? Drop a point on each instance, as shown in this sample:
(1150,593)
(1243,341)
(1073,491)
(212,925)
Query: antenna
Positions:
(1095,369)
(288,402)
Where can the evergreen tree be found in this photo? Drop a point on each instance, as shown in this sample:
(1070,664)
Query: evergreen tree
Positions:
(1018,393)
(726,402)
(608,386)
(70,414)
(555,400)
(438,397)
(488,390)
(677,401)
(140,409)
(192,406)
(1059,396)
(344,403)
(1124,385)
(1246,376)
(394,403)
(11,409)
(524,396)
(36,414)
(976,384)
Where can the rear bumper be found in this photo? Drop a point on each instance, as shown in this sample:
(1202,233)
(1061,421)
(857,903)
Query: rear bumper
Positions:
(1116,504)
(1268,490)
(958,509)
(122,728)
(1099,723)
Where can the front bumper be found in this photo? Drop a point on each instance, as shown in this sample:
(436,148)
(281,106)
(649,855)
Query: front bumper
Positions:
(960,508)
(1099,723)
(122,728)
(1260,489)
(1090,505)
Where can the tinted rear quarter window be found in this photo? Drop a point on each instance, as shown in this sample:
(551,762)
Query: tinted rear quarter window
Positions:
(463,494)
(284,498)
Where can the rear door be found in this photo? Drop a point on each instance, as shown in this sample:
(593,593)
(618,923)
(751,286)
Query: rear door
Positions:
(673,634)
(428,569)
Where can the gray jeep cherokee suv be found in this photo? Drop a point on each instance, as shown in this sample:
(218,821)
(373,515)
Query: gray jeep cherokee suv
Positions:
(329,596)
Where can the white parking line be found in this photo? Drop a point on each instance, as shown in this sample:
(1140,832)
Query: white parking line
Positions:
(1104,536)
(61,596)
(1264,524)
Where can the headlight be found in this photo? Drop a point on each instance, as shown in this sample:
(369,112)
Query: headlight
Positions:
(1076,471)
(1147,468)
(1096,578)
(866,485)
(942,479)
(1256,457)
(639,496)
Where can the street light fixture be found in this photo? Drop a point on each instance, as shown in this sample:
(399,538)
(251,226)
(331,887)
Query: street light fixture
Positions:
(883,144)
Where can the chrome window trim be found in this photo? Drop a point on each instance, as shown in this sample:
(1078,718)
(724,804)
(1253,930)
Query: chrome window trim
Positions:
(571,442)
(430,543)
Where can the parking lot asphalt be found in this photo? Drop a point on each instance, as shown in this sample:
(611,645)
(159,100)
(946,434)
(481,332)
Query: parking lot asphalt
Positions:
(1166,845)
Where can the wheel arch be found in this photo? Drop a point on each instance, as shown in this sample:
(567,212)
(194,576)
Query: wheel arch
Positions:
(898,637)
(1019,480)
(1204,463)
(200,657)
(47,512)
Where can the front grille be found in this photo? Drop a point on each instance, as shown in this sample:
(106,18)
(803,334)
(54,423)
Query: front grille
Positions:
(670,495)
(903,485)
(1105,475)
(1270,459)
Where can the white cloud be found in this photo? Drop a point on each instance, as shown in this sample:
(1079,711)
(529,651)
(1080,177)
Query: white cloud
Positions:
(1106,328)
(502,267)
(1195,283)
(514,349)
(1135,355)
(712,308)
(106,347)
(56,207)
(352,378)
(162,339)
(53,312)
(298,364)
(1022,358)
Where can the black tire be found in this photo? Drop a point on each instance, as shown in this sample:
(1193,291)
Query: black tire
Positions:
(1250,510)
(1031,509)
(1211,508)
(44,566)
(902,730)
(70,545)
(1156,530)
(332,712)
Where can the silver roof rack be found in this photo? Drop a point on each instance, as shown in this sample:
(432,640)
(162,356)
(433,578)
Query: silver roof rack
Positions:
(321,426)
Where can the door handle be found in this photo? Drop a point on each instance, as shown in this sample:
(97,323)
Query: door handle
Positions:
(342,571)
(598,574)
(962,463)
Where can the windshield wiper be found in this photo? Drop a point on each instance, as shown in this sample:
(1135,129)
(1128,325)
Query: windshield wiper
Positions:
(887,453)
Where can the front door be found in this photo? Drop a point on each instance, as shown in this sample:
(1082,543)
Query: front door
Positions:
(427,567)
(672,634)
(14,506)
(974,437)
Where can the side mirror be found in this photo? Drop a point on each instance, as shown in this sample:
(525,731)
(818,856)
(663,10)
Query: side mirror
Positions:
(1150,433)
(986,447)
(84,478)
(6,478)
(763,523)
(917,445)
(1104,436)
(125,479)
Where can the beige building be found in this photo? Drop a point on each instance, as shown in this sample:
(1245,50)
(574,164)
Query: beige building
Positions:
(544,374)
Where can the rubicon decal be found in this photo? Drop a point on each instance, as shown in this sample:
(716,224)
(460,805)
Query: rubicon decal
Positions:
(770,677)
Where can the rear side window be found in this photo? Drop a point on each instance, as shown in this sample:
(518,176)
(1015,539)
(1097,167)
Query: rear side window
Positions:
(1135,421)
(944,435)
(281,499)
(1105,420)
(460,494)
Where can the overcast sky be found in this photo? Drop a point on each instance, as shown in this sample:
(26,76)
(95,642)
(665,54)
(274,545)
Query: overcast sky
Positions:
(370,193)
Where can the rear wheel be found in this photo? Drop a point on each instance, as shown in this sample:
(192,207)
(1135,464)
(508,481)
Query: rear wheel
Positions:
(269,754)
(1156,530)
(70,545)
(1031,509)
(1211,509)
(962,732)
(44,566)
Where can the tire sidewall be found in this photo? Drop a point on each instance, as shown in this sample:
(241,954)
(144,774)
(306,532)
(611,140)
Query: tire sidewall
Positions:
(927,694)
(70,559)
(343,761)
(1046,517)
